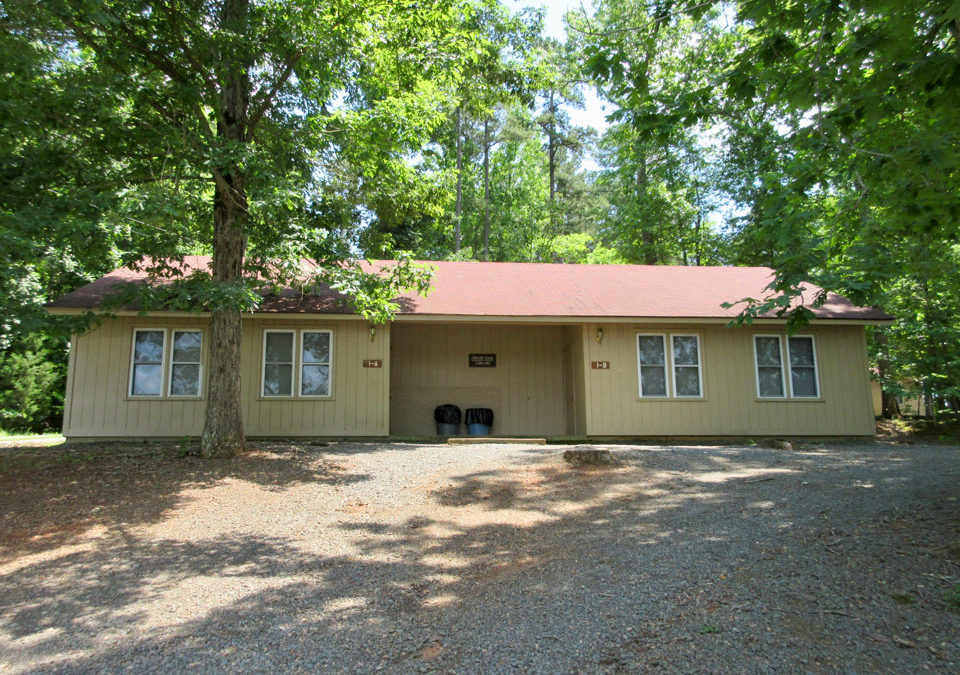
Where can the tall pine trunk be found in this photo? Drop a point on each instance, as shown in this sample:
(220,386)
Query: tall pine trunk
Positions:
(458,213)
(486,189)
(552,161)
(223,426)
(647,238)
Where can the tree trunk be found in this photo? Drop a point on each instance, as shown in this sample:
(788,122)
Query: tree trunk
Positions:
(223,426)
(890,407)
(552,161)
(458,212)
(646,232)
(486,189)
(698,231)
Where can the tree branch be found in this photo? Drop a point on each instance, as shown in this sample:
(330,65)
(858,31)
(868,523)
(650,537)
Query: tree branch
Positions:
(264,105)
(211,84)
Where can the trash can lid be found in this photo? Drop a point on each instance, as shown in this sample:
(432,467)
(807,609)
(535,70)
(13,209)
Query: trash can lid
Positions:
(480,416)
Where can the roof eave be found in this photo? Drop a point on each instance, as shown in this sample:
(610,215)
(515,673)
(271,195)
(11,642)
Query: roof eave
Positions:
(464,318)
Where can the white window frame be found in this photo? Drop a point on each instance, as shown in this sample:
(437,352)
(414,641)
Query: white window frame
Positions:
(666,366)
(293,363)
(199,364)
(756,367)
(133,355)
(816,367)
(301,364)
(673,366)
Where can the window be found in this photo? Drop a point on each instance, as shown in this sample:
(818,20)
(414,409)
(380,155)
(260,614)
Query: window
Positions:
(687,381)
(185,375)
(803,367)
(767,351)
(652,357)
(278,363)
(146,369)
(315,363)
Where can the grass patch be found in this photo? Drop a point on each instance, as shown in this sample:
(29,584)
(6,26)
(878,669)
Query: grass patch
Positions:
(26,434)
(709,629)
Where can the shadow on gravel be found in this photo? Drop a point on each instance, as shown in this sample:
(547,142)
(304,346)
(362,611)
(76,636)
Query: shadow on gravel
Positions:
(649,565)
(49,497)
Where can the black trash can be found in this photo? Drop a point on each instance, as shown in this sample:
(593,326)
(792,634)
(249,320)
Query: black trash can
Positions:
(447,417)
(479,421)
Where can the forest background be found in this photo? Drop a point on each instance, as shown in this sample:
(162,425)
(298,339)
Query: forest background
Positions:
(819,138)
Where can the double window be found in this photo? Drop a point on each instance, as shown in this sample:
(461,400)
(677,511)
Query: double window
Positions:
(150,374)
(771,366)
(304,366)
(683,362)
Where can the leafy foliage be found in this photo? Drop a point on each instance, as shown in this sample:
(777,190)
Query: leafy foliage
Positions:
(816,137)
(31,388)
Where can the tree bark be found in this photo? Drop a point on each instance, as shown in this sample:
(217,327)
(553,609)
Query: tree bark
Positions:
(458,212)
(646,232)
(486,189)
(223,425)
(890,407)
(552,160)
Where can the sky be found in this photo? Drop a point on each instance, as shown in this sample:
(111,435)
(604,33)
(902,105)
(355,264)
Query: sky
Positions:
(594,112)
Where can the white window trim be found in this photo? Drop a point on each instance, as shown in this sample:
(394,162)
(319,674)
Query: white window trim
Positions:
(173,333)
(133,355)
(301,364)
(756,367)
(666,365)
(673,367)
(816,366)
(263,363)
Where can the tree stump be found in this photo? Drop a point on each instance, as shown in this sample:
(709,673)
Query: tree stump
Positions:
(587,456)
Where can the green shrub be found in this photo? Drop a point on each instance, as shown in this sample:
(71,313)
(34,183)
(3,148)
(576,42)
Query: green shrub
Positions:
(31,389)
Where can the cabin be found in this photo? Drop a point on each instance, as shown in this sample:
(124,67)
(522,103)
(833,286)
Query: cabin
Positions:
(556,351)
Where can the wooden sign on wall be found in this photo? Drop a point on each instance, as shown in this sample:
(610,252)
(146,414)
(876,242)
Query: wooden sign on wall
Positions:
(600,365)
(373,363)
(483,360)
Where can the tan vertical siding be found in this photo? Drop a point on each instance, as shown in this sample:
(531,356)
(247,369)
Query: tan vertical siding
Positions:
(730,405)
(98,379)
(358,405)
(574,381)
(430,366)
(529,390)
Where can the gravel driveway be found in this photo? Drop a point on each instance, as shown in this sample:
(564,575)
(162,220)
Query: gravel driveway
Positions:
(362,558)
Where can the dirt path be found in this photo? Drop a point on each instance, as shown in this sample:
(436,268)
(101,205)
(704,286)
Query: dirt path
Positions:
(421,558)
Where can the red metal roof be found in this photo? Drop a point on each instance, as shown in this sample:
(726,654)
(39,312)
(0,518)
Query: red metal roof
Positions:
(477,289)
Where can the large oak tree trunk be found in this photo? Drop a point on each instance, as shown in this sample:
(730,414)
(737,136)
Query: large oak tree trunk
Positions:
(223,427)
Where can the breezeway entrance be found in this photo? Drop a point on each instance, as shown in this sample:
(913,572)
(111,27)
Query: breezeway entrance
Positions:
(532,388)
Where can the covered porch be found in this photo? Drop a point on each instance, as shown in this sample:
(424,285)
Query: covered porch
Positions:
(530,375)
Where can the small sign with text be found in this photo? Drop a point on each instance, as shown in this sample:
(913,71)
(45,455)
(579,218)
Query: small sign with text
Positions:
(483,360)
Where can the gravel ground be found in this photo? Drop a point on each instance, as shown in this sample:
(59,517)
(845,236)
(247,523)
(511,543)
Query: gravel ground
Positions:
(402,558)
